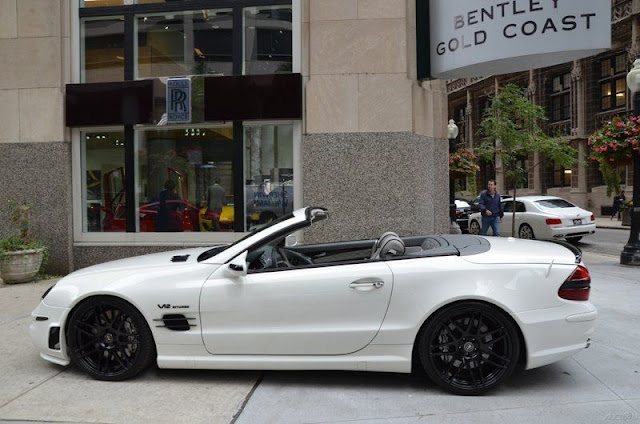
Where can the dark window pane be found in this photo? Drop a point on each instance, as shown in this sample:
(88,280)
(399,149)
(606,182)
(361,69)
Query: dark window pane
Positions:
(620,63)
(268,43)
(102,50)
(605,68)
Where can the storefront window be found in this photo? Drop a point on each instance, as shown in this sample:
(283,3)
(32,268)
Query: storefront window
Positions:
(103,3)
(104,206)
(185,179)
(185,43)
(268,172)
(267,40)
(102,49)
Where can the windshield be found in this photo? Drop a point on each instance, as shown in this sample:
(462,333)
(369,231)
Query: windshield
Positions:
(214,251)
(554,204)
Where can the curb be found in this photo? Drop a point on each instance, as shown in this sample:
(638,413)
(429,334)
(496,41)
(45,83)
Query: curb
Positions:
(611,227)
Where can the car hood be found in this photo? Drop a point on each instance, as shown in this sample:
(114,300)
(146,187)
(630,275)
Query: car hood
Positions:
(515,251)
(172,258)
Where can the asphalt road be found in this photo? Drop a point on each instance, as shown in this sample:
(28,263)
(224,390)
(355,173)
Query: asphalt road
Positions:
(605,241)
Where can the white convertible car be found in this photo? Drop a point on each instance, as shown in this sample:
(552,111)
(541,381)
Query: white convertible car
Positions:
(467,309)
(541,217)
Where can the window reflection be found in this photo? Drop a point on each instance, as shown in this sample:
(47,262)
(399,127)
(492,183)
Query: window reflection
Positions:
(185,43)
(185,180)
(104,204)
(267,40)
(103,50)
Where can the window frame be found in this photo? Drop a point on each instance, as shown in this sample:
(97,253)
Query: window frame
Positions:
(561,97)
(180,239)
(611,79)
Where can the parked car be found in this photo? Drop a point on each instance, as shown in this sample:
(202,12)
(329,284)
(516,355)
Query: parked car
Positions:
(542,217)
(467,309)
(463,209)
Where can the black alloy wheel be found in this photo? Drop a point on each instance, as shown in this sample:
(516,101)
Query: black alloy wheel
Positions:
(109,339)
(469,348)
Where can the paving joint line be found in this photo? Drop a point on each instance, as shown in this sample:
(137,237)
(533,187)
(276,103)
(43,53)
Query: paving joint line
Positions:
(604,384)
(31,389)
(247,398)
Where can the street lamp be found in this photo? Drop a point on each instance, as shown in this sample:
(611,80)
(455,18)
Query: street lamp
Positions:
(452,131)
(631,252)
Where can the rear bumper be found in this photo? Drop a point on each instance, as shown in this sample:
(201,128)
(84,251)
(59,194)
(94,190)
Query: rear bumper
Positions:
(574,231)
(556,333)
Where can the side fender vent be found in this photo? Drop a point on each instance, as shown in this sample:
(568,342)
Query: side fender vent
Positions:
(176,322)
(180,258)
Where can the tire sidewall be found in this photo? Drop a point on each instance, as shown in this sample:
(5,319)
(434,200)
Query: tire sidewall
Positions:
(147,351)
(435,321)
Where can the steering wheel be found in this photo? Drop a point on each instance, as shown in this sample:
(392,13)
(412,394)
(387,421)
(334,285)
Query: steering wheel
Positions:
(297,258)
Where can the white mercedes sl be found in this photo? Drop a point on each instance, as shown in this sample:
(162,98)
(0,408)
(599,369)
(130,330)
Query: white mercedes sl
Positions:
(467,309)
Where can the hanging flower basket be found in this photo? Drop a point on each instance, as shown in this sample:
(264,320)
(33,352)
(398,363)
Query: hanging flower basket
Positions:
(615,143)
(462,163)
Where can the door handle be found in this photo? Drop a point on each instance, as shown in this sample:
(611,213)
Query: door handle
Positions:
(376,284)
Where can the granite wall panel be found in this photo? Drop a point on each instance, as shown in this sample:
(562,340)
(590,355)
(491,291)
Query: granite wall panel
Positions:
(40,174)
(376,182)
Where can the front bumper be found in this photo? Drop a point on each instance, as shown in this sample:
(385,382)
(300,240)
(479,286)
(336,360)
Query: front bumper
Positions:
(556,333)
(46,332)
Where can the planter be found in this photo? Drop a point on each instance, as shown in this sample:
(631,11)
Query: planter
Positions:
(20,266)
(626,218)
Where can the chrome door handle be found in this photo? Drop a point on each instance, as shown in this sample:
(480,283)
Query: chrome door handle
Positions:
(367,284)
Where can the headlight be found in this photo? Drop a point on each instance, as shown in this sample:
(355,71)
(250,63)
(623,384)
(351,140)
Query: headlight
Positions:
(47,292)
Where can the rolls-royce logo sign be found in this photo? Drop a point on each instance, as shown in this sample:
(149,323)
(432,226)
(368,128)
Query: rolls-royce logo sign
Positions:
(485,37)
(178,100)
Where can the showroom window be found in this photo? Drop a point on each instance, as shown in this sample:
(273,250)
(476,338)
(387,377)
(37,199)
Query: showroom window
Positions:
(199,177)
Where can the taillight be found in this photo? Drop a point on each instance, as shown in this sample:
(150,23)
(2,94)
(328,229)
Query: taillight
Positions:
(593,218)
(553,221)
(577,286)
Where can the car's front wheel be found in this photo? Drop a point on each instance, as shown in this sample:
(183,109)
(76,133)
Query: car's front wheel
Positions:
(109,339)
(469,348)
(474,227)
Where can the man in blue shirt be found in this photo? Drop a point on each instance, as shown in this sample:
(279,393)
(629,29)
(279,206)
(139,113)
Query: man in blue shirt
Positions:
(490,209)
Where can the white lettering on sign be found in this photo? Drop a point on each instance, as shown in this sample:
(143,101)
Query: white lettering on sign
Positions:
(485,37)
(178,100)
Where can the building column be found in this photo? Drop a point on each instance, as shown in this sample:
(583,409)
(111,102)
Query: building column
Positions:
(500,181)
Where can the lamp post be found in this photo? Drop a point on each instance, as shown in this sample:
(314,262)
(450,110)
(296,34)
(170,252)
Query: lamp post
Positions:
(631,252)
(452,131)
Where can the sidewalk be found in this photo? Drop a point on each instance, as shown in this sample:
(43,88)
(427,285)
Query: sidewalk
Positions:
(605,222)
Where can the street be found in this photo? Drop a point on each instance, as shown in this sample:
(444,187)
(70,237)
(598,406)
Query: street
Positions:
(605,241)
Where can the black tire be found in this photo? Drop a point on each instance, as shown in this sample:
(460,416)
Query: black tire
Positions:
(574,240)
(526,232)
(109,339)
(474,227)
(469,348)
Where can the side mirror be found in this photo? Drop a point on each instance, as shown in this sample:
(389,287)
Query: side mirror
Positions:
(291,240)
(237,267)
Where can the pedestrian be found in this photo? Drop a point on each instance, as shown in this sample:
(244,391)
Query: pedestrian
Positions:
(490,209)
(215,196)
(618,200)
(169,209)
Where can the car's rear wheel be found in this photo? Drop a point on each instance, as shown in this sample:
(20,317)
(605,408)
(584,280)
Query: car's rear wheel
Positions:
(469,348)
(526,232)
(574,240)
(109,339)
(474,227)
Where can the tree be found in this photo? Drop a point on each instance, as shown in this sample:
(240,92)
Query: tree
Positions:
(512,132)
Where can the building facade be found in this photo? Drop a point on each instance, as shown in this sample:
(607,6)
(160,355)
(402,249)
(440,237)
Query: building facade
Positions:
(138,126)
(578,97)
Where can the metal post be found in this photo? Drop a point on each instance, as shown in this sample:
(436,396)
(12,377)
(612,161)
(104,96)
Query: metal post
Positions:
(631,252)
(454,227)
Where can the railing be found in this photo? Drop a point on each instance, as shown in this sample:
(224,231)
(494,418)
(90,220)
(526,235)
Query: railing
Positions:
(454,85)
(621,10)
(603,118)
(560,128)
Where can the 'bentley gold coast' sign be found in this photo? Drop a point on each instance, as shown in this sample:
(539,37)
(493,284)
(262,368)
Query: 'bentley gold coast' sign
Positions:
(485,37)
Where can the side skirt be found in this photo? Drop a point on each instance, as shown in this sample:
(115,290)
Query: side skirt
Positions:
(380,358)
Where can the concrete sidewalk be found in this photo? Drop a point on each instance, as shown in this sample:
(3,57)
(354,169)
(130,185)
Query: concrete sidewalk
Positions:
(606,222)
